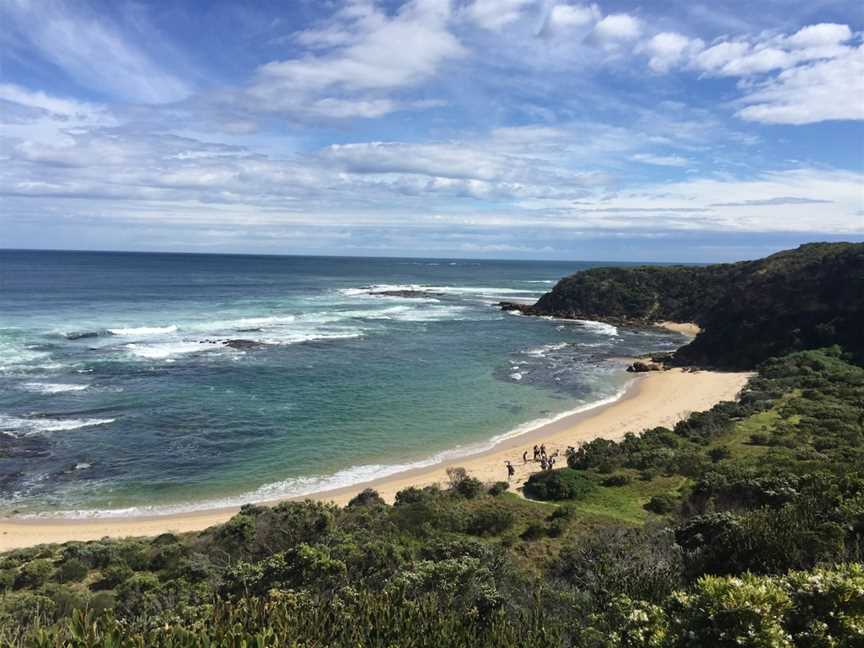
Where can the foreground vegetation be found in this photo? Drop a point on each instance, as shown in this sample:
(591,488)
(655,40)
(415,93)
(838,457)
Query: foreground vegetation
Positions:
(742,526)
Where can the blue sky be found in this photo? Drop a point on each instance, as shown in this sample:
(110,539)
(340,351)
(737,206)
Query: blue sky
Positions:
(686,131)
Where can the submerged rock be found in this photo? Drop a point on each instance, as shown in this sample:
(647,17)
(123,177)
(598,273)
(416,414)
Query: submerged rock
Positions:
(407,293)
(244,344)
(81,335)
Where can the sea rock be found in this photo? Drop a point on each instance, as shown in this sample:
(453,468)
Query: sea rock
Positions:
(244,344)
(411,294)
(75,335)
(641,367)
(526,309)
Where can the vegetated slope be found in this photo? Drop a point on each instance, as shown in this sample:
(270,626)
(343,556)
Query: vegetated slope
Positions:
(749,311)
(744,522)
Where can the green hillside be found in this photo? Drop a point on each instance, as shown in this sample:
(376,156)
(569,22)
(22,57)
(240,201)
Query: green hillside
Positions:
(750,311)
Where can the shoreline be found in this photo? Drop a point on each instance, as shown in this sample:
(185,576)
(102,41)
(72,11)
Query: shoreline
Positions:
(650,400)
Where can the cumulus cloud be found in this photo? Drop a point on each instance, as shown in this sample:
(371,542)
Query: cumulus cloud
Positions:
(616,28)
(669,49)
(564,17)
(494,15)
(361,63)
(827,90)
(817,71)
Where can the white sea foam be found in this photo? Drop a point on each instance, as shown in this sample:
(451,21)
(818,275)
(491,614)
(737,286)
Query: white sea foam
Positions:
(541,352)
(53,388)
(269,321)
(165,350)
(18,426)
(516,375)
(467,291)
(599,327)
(143,330)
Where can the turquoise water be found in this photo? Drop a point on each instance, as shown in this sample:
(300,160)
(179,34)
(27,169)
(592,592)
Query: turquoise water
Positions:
(120,392)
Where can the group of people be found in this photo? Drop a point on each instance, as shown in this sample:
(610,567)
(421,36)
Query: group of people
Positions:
(546,461)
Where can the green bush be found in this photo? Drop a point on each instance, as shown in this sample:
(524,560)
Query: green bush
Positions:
(498,488)
(367,497)
(71,571)
(490,521)
(33,574)
(745,612)
(662,504)
(563,484)
(616,480)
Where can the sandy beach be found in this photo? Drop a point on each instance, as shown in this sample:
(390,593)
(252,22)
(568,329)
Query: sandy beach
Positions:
(658,398)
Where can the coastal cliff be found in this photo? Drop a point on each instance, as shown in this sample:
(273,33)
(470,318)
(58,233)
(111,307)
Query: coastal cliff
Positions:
(748,311)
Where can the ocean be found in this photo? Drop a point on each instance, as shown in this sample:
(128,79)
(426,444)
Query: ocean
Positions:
(136,384)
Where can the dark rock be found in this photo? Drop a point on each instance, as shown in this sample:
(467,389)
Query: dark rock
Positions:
(415,294)
(83,335)
(244,344)
(641,367)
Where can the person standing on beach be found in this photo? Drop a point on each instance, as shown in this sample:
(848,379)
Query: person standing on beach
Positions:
(510,469)
(536,452)
(525,457)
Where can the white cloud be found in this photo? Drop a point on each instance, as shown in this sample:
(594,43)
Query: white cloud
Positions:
(42,101)
(818,74)
(747,57)
(494,15)
(820,35)
(827,90)
(92,51)
(669,49)
(375,53)
(615,28)
(563,17)
(662,160)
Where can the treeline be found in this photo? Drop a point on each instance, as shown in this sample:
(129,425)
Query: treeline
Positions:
(794,300)
(742,526)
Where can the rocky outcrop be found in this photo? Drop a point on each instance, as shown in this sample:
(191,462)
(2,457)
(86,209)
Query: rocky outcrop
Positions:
(805,298)
(641,366)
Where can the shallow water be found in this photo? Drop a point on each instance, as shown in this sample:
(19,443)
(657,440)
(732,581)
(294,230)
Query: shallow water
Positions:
(120,392)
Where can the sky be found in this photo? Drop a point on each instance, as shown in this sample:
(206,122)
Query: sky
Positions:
(517,129)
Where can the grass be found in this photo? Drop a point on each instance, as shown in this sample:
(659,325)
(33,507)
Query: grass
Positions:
(625,504)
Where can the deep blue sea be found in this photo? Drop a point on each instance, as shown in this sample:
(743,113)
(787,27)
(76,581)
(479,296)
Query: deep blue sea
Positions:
(120,394)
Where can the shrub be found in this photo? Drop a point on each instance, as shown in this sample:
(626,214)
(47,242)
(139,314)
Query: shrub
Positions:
(661,504)
(367,497)
(469,488)
(558,485)
(112,576)
(498,488)
(718,454)
(33,574)
(462,484)
(759,439)
(733,612)
(414,495)
(71,571)
(490,521)
(534,531)
(616,480)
